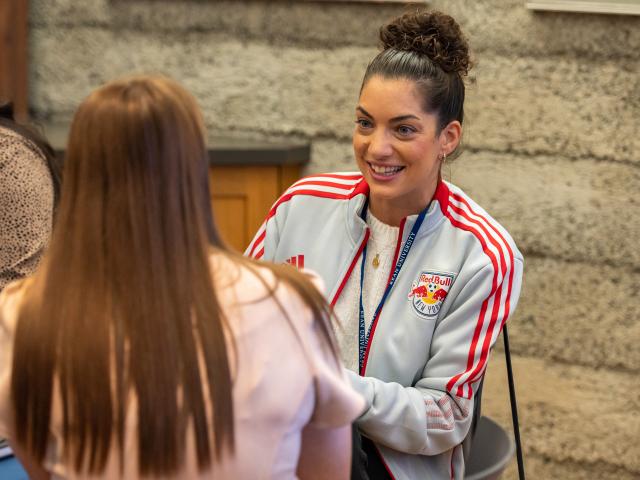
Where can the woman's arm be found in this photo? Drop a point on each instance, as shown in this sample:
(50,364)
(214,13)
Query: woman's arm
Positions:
(325,453)
(33,468)
(434,414)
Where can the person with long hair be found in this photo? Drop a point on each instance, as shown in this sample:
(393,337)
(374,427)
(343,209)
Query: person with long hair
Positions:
(143,347)
(421,277)
(29,188)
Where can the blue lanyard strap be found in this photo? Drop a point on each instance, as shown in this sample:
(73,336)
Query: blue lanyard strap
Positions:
(363,334)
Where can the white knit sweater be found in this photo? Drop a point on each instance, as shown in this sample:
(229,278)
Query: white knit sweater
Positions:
(381,242)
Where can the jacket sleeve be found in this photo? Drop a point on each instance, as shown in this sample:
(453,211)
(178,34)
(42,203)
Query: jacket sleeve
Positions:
(434,415)
(265,242)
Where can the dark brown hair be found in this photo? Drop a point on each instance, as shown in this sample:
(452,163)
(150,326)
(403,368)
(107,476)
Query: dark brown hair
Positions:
(430,49)
(124,302)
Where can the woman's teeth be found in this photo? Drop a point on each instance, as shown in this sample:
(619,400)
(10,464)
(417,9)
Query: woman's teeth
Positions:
(385,170)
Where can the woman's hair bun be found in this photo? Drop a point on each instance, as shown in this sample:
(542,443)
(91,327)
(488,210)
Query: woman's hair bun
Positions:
(433,34)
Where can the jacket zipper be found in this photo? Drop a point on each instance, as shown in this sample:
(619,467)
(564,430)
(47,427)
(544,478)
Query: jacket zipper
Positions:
(375,320)
(351,267)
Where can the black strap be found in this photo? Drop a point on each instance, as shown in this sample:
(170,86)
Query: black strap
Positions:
(514,405)
(358,456)
(366,463)
(375,466)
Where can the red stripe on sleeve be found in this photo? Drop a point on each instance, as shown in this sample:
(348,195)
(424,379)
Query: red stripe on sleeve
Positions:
(324,183)
(496,292)
(313,193)
(483,308)
(507,302)
(341,176)
(360,187)
(257,242)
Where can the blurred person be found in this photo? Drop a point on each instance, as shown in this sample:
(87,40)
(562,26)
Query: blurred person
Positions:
(142,347)
(421,276)
(29,187)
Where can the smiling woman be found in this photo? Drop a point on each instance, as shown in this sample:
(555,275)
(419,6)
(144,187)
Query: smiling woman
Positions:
(420,276)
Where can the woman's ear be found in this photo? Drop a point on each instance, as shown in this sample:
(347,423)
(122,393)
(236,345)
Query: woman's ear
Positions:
(450,137)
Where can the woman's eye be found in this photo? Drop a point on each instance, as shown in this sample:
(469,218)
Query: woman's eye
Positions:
(406,130)
(363,123)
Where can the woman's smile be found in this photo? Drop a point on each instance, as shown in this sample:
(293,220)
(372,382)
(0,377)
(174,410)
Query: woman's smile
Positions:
(383,172)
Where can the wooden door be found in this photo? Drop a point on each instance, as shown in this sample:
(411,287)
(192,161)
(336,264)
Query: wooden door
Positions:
(241,197)
(13,55)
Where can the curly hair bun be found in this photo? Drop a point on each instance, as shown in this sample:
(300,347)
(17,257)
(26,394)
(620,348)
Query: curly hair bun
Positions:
(433,34)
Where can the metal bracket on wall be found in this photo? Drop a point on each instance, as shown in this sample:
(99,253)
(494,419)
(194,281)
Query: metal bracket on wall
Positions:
(616,7)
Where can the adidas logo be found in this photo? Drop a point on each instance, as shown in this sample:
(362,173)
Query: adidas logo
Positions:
(297,261)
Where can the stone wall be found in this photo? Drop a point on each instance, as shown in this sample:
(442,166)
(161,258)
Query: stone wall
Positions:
(552,150)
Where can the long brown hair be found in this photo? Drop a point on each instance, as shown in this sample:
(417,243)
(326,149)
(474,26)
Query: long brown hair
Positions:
(124,300)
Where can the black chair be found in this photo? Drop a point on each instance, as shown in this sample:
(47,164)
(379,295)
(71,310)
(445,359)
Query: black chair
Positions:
(491,430)
(467,442)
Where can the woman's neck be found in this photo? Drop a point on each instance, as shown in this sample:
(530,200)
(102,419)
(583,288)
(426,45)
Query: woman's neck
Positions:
(393,211)
(386,213)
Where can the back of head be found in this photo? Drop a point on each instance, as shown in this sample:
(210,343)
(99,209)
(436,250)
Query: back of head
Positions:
(124,301)
(8,121)
(430,49)
(136,148)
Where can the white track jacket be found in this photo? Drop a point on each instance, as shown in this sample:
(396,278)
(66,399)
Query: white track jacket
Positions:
(428,348)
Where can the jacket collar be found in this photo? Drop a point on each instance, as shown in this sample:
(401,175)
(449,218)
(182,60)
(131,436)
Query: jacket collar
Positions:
(436,213)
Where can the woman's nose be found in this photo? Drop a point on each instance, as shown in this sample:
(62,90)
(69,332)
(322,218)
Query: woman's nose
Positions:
(380,146)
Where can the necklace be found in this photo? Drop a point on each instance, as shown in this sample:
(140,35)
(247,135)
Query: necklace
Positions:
(376,261)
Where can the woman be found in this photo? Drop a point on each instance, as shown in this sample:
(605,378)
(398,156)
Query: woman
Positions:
(29,185)
(421,276)
(142,346)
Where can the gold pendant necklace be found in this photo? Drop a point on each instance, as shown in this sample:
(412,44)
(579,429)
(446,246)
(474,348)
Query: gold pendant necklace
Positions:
(376,261)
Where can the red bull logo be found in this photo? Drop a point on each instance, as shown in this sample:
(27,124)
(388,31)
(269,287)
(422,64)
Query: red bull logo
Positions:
(429,291)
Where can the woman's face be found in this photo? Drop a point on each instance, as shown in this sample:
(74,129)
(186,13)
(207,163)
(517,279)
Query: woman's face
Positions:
(396,147)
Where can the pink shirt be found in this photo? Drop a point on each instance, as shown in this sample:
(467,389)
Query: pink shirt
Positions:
(284,380)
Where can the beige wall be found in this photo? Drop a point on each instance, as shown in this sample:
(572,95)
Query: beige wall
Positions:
(552,150)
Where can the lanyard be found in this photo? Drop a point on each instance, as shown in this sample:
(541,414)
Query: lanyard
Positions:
(363,335)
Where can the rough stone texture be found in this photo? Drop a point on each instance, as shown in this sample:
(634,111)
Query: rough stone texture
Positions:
(501,26)
(580,314)
(575,422)
(567,106)
(524,106)
(253,88)
(579,211)
(329,155)
(506,27)
(552,151)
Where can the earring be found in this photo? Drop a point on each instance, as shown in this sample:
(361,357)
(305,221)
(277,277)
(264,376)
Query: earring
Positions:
(443,158)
